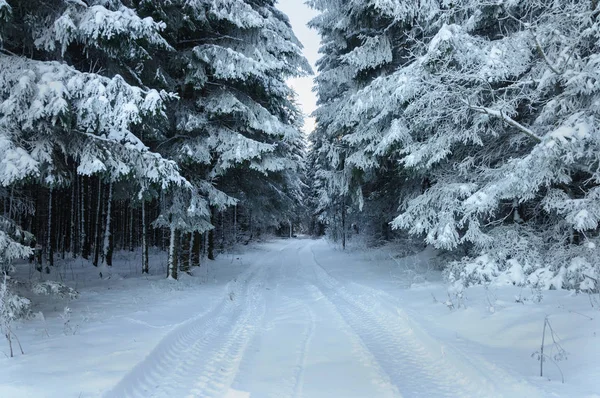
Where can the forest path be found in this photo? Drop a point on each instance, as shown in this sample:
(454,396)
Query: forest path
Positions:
(288,328)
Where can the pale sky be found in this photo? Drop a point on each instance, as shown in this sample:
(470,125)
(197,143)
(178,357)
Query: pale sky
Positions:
(299,14)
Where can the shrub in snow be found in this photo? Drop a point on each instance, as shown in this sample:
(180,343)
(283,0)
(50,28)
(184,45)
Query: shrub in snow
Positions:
(55,288)
(11,248)
(567,267)
(12,307)
(68,328)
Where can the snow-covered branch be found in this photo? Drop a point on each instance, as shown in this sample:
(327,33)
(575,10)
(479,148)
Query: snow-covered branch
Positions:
(503,116)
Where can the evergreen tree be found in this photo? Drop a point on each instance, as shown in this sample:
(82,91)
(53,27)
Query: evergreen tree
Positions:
(490,113)
(65,112)
(236,130)
(362,42)
(182,103)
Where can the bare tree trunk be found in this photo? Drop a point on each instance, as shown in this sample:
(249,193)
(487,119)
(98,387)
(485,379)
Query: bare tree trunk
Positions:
(344,223)
(145,266)
(107,249)
(131,228)
(186,251)
(195,249)
(235,224)
(211,236)
(251,227)
(222,242)
(83,228)
(72,234)
(172,264)
(98,221)
(49,246)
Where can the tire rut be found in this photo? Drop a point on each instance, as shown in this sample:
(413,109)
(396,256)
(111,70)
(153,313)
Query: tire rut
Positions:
(410,365)
(210,346)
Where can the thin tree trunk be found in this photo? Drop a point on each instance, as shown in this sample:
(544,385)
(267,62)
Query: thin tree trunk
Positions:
(63,230)
(107,249)
(49,248)
(344,223)
(145,266)
(83,234)
(186,245)
(235,224)
(72,237)
(211,236)
(251,227)
(98,221)
(222,242)
(172,265)
(11,204)
(131,224)
(195,249)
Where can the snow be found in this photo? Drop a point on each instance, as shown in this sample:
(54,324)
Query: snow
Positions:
(298,318)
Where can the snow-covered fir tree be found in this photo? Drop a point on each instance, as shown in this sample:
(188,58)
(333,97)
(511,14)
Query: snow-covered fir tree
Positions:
(491,113)
(361,42)
(173,113)
(235,132)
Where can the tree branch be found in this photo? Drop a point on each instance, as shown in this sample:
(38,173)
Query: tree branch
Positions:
(543,54)
(507,119)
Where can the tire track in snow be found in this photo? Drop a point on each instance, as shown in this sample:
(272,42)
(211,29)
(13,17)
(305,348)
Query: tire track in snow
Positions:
(411,365)
(288,320)
(503,380)
(201,357)
(308,336)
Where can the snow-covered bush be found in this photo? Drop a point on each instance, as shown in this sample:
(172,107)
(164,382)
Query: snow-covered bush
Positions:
(12,238)
(566,267)
(12,307)
(54,288)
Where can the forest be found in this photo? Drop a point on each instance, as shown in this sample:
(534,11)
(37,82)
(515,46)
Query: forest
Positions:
(465,125)
(132,124)
(170,227)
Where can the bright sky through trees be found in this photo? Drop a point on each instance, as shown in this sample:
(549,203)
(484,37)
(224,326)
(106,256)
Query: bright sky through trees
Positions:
(300,14)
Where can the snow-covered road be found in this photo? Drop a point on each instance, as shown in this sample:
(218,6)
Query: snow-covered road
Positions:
(286,327)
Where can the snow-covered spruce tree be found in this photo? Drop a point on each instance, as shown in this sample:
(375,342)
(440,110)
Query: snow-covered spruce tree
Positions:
(235,132)
(495,107)
(361,41)
(70,119)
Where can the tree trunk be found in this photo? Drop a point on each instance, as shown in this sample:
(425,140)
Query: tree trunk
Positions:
(131,224)
(211,236)
(145,267)
(235,225)
(222,242)
(195,249)
(107,249)
(83,235)
(49,246)
(72,235)
(186,249)
(344,223)
(251,227)
(98,221)
(172,264)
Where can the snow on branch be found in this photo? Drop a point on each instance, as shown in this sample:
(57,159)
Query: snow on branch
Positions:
(506,118)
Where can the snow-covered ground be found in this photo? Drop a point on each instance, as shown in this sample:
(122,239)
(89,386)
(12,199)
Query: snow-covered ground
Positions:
(301,318)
